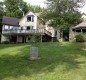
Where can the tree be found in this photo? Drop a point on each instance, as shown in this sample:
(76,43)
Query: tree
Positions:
(63,14)
(1,9)
(35,9)
(15,8)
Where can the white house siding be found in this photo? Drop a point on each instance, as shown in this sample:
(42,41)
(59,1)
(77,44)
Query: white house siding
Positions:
(3,37)
(23,22)
(50,29)
(71,34)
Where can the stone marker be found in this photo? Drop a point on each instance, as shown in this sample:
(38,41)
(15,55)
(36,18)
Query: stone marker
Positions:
(34,53)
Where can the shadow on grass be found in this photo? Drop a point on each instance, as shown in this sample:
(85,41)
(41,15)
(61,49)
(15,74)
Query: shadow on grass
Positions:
(4,46)
(51,57)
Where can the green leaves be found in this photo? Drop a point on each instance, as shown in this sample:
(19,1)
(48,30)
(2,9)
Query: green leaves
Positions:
(64,12)
(16,8)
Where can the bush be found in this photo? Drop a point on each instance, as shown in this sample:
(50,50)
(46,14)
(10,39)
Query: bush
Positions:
(35,38)
(79,37)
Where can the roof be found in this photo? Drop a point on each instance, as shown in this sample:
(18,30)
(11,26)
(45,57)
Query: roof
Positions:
(81,25)
(10,21)
(37,14)
(27,14)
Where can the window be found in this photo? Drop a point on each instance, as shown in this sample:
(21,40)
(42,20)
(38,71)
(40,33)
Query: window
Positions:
(84,30)
(11,27)
(78,30)
(30,18)
(6,27)
(73,30)
(28,27)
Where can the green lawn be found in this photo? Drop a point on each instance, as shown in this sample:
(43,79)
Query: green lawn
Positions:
(59,61)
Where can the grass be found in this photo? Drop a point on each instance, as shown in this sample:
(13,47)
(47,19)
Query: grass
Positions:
(59,61)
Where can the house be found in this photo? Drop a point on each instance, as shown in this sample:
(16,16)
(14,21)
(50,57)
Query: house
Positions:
(80,28)
(19,30)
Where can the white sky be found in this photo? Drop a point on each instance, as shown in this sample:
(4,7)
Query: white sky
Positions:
(83,9)
(36,2)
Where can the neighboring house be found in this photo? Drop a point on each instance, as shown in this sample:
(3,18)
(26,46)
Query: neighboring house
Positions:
(81,28)
(19,30)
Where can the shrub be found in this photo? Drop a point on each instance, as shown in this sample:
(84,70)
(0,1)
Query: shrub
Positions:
(79,37)
(35,38)
(5,42)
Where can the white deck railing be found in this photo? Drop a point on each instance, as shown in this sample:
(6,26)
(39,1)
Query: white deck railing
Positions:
(31,31)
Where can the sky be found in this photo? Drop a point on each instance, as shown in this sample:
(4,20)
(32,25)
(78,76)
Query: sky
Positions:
(36,2)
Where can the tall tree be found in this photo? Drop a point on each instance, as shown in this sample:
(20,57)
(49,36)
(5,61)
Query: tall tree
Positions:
(63,14)
(1,9)
(15,8)
(35,8)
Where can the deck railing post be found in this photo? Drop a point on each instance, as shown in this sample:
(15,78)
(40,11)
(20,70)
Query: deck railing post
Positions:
(41,38)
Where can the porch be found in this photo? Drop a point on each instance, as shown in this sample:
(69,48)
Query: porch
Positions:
(75,31)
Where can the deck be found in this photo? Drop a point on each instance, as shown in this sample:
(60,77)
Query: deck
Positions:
(31,31)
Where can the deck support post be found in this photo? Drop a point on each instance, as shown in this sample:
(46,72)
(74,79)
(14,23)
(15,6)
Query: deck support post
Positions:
(81,30)
(41,38)
(10,38)
(52,39)
(24,38)
(17,39)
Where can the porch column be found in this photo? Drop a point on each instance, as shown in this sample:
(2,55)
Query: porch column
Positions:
(81,31)
(41,38)
(24,38)
(10,38)
(52,40)
(17,39)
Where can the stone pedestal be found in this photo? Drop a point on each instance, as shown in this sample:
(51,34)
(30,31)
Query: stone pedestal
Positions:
(34,53)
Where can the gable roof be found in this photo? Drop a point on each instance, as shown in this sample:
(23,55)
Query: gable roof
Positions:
(30,13)
(10,21)
(15,21)
(81,25)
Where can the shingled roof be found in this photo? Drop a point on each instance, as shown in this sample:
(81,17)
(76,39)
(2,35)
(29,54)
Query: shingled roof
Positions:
(10,21)
(81,25)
